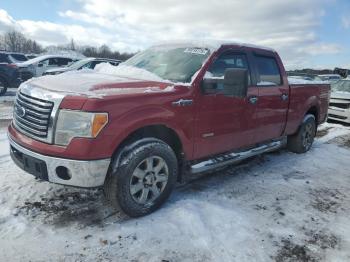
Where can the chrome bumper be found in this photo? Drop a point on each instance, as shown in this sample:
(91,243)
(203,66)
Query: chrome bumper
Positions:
(90,173)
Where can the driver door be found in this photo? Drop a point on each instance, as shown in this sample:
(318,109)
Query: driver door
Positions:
(223,122)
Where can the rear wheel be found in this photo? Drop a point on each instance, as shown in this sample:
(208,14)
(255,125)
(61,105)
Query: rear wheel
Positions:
(144,179)
(3,86)
(302,141)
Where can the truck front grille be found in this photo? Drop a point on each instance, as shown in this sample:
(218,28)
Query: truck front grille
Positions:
(32,115)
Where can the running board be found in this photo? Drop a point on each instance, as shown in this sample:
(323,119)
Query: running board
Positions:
(232,158)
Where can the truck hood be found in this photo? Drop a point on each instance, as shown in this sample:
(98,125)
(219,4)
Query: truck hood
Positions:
(92,84)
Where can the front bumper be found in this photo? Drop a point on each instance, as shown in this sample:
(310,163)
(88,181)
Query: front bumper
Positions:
(80,173)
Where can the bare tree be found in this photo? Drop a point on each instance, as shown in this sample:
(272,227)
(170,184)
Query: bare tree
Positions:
(14,41)
(2,43)
(72,45)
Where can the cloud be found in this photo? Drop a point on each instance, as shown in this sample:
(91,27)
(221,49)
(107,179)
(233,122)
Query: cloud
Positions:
(346,22)
(321,49)
(288,26)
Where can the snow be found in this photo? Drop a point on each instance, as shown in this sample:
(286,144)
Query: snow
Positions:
(81,82)
(298,81)
(127,71)
(211,44)
(41,58)
(157,89)
(274,207)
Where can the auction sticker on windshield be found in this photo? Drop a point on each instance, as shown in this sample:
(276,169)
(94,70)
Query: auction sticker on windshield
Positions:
(198,51)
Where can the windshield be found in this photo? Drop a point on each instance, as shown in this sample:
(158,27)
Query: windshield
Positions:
(342,86)
(174,64)
(78,64)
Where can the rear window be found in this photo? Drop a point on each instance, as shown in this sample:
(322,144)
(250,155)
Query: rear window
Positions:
(268,71)
(19,57)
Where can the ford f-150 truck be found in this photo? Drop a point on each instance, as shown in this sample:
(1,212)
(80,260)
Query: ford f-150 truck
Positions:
(170,110)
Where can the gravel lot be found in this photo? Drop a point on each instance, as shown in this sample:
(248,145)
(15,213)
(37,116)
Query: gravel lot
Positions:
(275,207)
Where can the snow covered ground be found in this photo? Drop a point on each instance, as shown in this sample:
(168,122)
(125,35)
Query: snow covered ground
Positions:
(275,207)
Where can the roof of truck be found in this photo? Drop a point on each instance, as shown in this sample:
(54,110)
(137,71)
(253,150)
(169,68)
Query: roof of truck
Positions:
(213,45)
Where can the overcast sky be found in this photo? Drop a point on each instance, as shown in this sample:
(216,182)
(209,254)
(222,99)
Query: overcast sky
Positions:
(314,33)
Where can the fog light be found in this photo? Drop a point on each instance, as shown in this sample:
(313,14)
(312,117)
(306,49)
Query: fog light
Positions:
(63,173)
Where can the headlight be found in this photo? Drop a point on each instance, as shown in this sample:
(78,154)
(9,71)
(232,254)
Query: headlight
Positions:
(72,124)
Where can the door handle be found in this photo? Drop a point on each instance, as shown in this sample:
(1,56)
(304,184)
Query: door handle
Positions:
(253,99)
(284,97)
(182,102)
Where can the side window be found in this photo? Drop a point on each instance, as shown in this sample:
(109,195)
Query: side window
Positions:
(63,61)
(94,63)
(53,62)
(228,60)
(268,71)
(45,62)
(86,66)
(217,70)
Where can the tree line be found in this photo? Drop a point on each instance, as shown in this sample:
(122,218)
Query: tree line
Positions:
(15,41)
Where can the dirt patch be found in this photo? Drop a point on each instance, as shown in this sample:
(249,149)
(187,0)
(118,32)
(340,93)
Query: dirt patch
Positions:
(291,252)
(323,132)
(309,250)
(83,208)
(322,240)
(343,141)
(326,200)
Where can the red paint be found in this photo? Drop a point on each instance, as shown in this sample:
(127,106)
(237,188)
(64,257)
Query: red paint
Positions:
(234,122)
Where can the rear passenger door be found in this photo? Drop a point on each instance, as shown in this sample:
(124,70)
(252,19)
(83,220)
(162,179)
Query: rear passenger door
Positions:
(273,98)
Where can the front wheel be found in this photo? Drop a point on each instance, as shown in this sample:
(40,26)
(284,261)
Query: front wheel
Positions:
(144,179)
(302,141)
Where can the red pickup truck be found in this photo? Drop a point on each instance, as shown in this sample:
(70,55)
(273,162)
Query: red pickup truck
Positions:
(138,128)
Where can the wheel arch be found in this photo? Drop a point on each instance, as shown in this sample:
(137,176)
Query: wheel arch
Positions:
(145,134)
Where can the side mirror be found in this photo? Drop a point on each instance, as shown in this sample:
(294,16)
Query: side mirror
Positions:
(210,85)
(40,65)
(236,82)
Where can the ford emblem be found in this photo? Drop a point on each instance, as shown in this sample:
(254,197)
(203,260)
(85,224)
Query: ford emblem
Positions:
(21,111)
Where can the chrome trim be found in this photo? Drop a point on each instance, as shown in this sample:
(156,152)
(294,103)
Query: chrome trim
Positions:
(30,124)
(30,100)
(235,157)
(84,173)
(37,111)
(31,106)
(40,133)
(183,102)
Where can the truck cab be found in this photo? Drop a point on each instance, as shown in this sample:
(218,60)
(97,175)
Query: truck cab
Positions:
(168,111)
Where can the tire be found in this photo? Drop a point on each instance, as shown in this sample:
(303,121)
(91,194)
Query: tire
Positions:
(301,142)
(137,185)
(3,86)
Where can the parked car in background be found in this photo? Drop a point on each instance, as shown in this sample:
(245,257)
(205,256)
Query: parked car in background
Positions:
(330,78)
(169,111)
(339,106)
(9,77)
(31,56)
(37,66)
(12,57)
(87,63)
